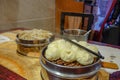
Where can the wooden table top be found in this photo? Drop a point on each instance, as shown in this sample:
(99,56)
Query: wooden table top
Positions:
(27,67)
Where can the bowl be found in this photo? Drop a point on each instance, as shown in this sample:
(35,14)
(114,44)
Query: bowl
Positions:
(52,71)
(32,48)
(76,34)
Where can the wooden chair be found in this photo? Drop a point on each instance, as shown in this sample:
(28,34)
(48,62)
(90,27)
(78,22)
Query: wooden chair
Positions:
(71,20)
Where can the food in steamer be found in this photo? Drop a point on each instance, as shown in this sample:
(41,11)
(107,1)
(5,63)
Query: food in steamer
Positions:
(31,42)
(35,34)
(67,54)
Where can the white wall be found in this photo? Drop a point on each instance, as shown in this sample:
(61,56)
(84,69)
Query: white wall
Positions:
(28,14)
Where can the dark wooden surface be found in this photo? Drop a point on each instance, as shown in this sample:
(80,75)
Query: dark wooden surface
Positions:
(103,44)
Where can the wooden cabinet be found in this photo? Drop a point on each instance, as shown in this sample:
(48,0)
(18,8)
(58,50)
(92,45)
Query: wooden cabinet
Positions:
(66,6)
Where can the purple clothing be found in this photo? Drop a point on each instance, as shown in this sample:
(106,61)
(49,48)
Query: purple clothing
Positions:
(115,75)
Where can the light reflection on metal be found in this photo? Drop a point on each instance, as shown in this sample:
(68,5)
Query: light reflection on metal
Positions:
(79,0)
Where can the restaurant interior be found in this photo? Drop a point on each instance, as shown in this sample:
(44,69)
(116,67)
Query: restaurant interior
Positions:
(59,39)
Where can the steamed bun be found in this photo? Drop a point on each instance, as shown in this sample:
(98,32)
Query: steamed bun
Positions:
(61,49)
(62,44)
(84,57)
(52,52)
(93,48)
(68,56)
(66,53)
(83,43)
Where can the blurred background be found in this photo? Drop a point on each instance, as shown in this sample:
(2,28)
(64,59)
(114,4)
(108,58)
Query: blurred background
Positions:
(27,14)
(45,14)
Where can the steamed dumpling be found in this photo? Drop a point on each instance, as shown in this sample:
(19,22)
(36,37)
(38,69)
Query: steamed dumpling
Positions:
(66,52)
(62,44)
(84,57)
(68,56)
(93,48)
(52,52)
(61,49)
(83,43)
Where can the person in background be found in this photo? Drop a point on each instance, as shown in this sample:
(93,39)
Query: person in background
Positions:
(101,13)
(111,32)
(114,19)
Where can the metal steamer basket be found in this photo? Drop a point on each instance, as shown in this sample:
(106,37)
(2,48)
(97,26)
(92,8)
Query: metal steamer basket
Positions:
(52,71)
(32,48)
